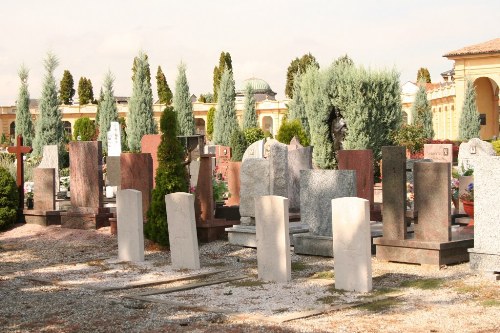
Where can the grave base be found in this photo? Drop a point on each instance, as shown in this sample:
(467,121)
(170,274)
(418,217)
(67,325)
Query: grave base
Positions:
(431,253)
(482,261)
(42,217)
(81,219)
(322,246)
(244,235)
(213,230)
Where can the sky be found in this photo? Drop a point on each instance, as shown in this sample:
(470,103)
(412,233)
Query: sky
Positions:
(91,37)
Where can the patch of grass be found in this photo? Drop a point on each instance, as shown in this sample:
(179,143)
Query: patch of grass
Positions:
(247,283)
(382,291)
(425,284)
(379,306)
(298,266)
(323,275)
(328,299)
(333,290)
(490,302)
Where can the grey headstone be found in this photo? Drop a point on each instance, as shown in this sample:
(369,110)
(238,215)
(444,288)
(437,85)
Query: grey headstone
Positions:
(254,182)
(298,159)
(255,150)
(317,189)
(471,150)
(113,171)
(50,159)
(410,166)
(278,169)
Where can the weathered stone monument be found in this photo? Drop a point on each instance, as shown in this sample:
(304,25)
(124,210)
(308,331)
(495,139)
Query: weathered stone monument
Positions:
(50,159)
(485,256)
(317,189)
(130,225)
(86,211)
(44,212)
(351,244)
(433,242)
(469,151)
(182,231)
(271,219)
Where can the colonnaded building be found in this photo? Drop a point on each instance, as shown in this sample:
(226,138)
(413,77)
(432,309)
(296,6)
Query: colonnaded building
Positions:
(479,63)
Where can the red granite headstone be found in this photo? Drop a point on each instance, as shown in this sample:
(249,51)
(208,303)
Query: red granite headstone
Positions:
(233,183)
(222,159)
(137,174)
(362,162)
(149,144)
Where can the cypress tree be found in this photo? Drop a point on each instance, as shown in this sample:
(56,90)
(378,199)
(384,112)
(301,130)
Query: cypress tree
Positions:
(225,117)
(423,75)
(49,127)
(224,62)
(210,123)
(182,103)
(98,111)
(164,92)
(238,144)
(140,119)
(85,91)
(421,112)
(171,176)
(470,123)
(66,90)
(249,113)
(108,110)
(24,124)
(298,65)
(296,108)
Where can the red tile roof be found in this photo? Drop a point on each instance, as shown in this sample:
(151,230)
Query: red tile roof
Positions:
(491,46)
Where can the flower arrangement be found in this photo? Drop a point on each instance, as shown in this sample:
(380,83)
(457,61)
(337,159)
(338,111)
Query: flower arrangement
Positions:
(28,190)
(454,187)
(220,190)
(468,195)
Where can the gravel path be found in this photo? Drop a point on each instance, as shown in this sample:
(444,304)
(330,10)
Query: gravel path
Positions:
(64,280)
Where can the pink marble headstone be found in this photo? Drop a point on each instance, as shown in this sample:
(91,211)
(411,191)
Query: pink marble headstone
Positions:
(137,174)
(149,144)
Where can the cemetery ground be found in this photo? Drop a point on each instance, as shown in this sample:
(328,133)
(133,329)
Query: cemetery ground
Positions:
(54,279)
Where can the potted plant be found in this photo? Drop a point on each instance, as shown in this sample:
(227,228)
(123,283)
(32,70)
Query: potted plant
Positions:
(468,201)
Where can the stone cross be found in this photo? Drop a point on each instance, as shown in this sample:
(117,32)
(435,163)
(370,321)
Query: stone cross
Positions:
(20,150)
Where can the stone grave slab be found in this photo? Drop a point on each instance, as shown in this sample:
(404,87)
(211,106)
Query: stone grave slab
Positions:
(299,158)
(130,225)
(149,144)
(50,159)
(44,212)
(362,162)
(137,173)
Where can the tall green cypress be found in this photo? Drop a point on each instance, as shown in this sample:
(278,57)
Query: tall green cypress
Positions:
(108,110)
(296,108)
(470,123)
(85,91)
(140,119)
(210,123)
(24,124)
(98,111)
(421,111)
(49,127)
(66,90)
(224,62)
(249,112)
(225,117)
(164,92)
(182,103)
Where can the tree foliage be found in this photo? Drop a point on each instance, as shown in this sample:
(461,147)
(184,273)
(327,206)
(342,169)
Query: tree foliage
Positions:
(225,118)
(108,110)
(123,132)
(182,103)
(238,144)
(422,113)
(140,119)
(206,98)
(99,102)
(470,123)
(210,123)
(410,136)
(84,129)
(171,176)
(164,92)
(9,199)
(224,62)
(49,127)
(289,129)
(66,89)
(254,134)
(249,112)
(423,75)
(85,91)
(298,65)
(24,123)
(296,107)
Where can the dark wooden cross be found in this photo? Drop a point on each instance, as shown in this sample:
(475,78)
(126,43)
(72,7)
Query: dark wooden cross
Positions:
(20,150)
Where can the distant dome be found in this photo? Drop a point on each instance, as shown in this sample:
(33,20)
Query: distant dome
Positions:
(261,89)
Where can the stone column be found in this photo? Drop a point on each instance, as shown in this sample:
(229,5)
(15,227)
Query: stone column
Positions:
(130,225)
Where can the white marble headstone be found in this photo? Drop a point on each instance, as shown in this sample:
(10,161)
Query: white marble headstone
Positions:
(471,150)
(114,139)
(130,225)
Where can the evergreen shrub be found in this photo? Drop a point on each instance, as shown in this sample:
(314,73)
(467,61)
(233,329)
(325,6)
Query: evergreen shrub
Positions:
(410,136)
(9,199)
(289,129)
(253,134)
(85,128)
(238,144)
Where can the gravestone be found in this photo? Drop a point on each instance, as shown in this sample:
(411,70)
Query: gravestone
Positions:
(234,183)
(272,232)
(317,189)
(137,173)
(149,144)
(113,171)
(130,225)
(252,170)
(114,139)
(410,166)
(278,169)
(439,153)
(44,212)
(222,158)
(299,158)
(351,244)
(433,241)
(50,159)
(469,151)
(182,231)
(485,256)
(362,162)
(255,150)
(86,211)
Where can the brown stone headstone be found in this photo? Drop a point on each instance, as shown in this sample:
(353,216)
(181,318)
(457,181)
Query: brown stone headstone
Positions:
(222,159)
(362,162)
(149,144)
(394,192)
(44,195)
(137,174)
(233,183)
(86,174)
(432,197)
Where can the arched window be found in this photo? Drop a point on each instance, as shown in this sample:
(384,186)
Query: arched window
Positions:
(12,129)
(67,127)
